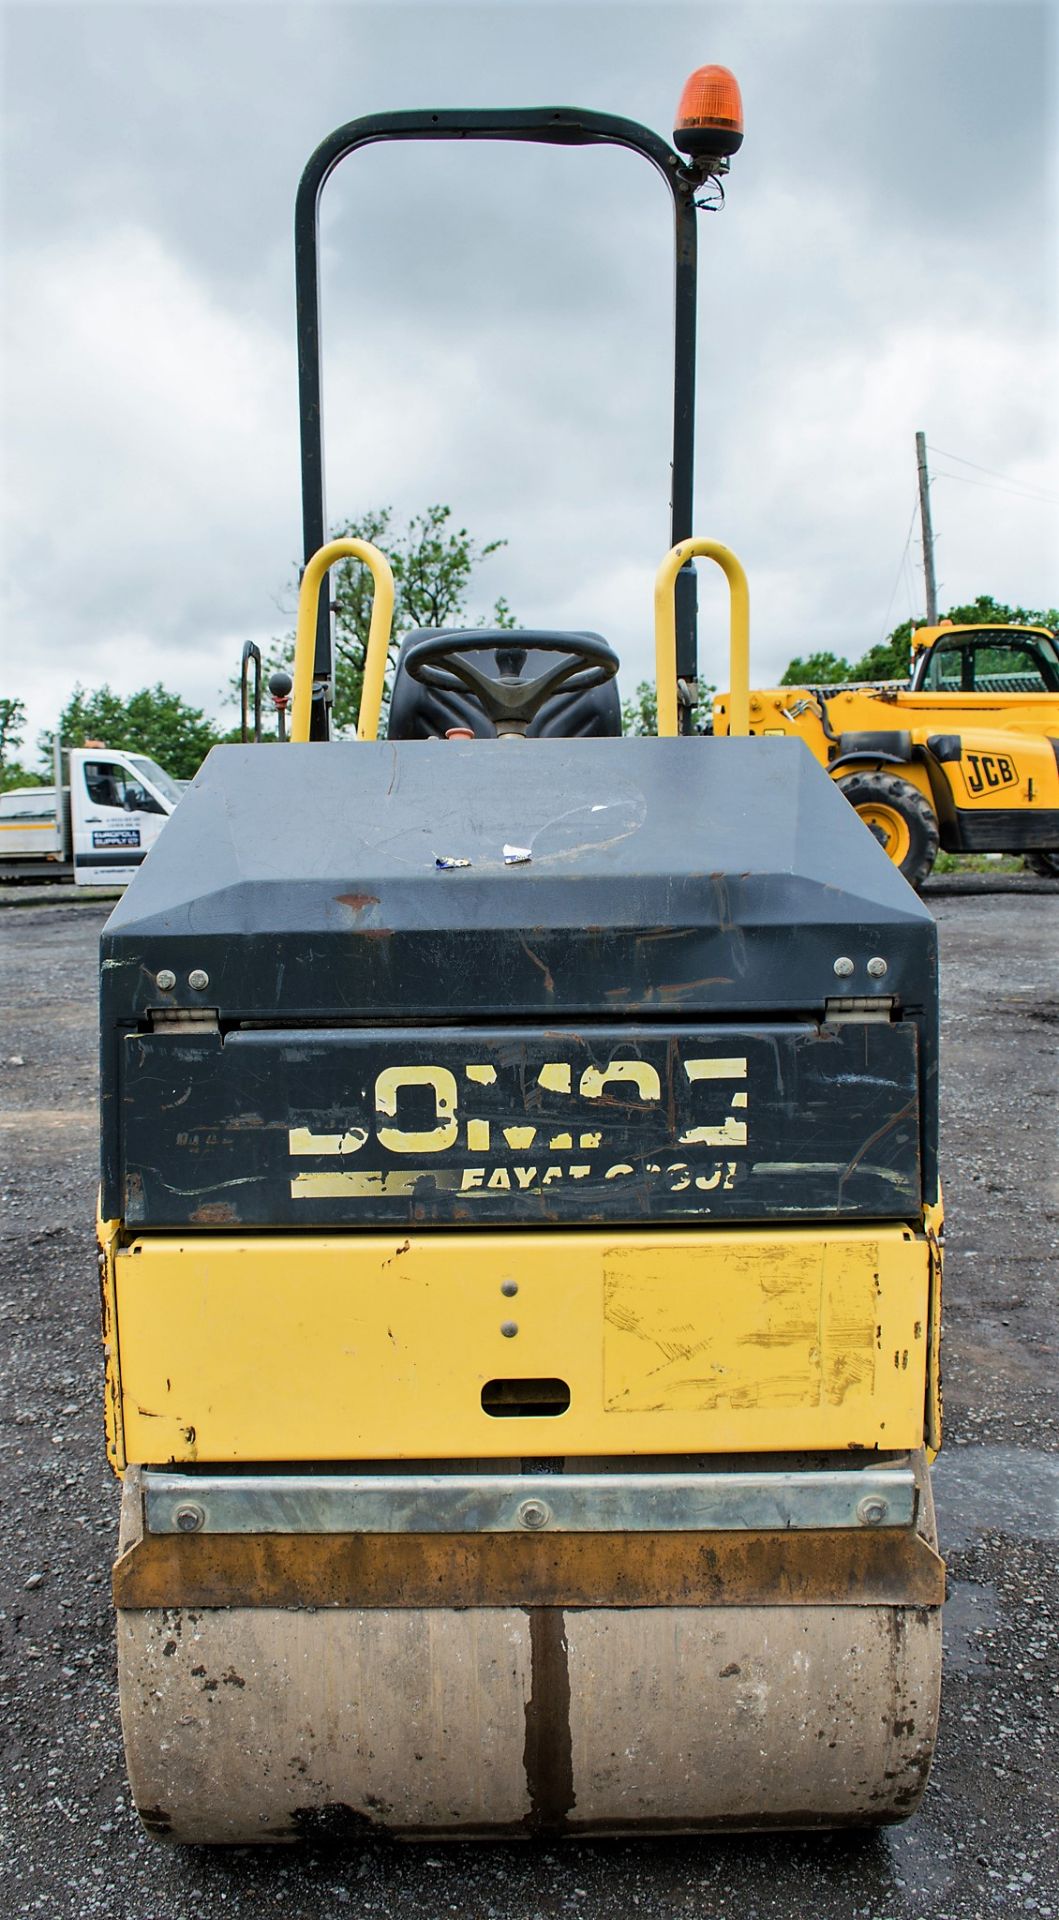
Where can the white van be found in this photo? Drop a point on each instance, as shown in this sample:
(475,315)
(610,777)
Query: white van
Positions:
(97,829)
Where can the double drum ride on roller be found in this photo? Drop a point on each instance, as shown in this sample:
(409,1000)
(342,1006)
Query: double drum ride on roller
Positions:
(520,1231)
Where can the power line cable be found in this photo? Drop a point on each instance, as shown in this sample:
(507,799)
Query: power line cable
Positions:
(911,583)
(1006,477)
(962,461)
(1018,493)
(900,568)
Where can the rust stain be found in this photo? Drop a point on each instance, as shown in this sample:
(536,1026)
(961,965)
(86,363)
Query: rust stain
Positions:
(217,1213)
(104,1300)
(681,991)
(361,903)
(405,1247)
(812,1568)
(906,1113)
(549,983)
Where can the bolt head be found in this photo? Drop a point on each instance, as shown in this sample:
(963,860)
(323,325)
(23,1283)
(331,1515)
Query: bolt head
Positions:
(198,978)
(165,978)
(534,1514)
(877,966)
(189,1517)
(872,1510)
(509,1328)
(843,966)
(509,1288)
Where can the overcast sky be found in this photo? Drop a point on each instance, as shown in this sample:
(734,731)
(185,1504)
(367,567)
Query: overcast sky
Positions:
(497,319)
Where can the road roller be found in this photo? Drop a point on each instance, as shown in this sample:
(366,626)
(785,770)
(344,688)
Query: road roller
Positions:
(520,1228)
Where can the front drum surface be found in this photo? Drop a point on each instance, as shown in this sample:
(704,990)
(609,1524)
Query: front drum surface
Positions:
(245,1724)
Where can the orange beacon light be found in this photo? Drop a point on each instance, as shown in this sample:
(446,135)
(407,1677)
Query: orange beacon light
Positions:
(710,115)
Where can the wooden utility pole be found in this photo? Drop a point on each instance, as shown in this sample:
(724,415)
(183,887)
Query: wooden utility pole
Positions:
(928,531)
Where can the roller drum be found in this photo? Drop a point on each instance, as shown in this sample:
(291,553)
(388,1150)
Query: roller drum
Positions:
(264,1723)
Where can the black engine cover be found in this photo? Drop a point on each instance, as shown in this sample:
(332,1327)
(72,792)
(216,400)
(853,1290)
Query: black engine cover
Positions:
(684,901)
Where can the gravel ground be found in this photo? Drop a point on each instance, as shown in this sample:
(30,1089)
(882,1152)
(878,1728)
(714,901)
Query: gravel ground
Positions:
(986,1841)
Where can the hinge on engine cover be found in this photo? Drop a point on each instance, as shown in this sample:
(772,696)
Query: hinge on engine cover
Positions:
(180,1019)
(835,1011)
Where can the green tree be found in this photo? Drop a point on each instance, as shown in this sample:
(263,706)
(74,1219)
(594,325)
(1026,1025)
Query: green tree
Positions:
(889,659)
(817,670)
(152,721)
(987,612)
(12,728)
(433,565)
(639,714)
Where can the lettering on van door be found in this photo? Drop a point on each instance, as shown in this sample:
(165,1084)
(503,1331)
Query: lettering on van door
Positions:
(115,836)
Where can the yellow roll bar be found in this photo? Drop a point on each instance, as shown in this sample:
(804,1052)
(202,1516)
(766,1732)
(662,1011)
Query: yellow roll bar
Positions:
(666,634)
(378,635)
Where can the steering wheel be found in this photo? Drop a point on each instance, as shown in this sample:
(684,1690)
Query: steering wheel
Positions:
(510,702)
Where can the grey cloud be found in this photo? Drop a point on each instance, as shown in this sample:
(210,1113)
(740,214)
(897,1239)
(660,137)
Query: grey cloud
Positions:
(497,320)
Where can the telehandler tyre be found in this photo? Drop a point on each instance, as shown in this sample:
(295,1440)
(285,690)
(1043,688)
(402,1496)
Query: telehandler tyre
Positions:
(901,819)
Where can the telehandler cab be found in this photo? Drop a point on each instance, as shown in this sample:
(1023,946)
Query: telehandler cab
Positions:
(520,1234)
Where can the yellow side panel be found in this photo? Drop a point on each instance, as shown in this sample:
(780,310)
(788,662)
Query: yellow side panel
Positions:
(108,1237)
(934,1223)
(306,1347)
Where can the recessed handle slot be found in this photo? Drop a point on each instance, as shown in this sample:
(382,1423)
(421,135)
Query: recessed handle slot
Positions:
(525,1399)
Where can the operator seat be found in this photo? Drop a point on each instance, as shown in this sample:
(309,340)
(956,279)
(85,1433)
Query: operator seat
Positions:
(419,712)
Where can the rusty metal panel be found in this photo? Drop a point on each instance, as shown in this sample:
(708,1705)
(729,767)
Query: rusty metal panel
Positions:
(826,1568)
(496,1125)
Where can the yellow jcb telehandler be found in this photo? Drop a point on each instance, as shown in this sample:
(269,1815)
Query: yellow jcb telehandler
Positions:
(965,757)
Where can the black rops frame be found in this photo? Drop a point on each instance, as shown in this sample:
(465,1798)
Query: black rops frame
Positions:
(553,126)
